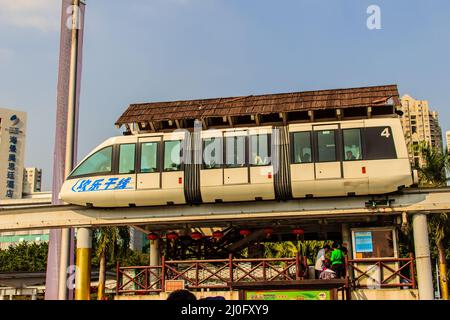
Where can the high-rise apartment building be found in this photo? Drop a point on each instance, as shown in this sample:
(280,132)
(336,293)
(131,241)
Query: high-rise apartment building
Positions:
(32,178)
(12,150)
(420,124)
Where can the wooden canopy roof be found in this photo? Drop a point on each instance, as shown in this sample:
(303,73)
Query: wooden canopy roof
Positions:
(257,105)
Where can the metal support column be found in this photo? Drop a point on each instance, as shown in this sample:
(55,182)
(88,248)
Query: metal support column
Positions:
(422,253)
(70,143)
(83,262)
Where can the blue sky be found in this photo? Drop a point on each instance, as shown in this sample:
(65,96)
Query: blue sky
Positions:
(142,50)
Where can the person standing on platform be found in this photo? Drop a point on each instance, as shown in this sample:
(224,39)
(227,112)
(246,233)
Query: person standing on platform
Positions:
(338,261)
(327,273)
(320,260)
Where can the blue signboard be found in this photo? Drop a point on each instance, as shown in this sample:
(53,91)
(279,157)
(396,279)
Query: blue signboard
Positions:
(363,241)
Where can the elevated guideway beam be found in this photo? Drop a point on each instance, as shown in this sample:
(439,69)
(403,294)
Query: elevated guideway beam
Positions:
(412,201)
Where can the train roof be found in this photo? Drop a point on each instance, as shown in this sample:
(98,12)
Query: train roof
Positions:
(263,109)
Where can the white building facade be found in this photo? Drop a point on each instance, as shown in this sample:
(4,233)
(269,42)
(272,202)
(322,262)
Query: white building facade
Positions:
(32,180)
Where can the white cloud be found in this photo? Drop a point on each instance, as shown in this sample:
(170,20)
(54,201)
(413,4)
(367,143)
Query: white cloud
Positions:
(43,15)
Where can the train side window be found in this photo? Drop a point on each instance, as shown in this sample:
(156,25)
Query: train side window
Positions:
(260,150)
(352,144)
(172,155)
(235,152)
(98,163)
(326,145)
(127,158)
(379,143)
(302,147)
(212,153)
(149,157)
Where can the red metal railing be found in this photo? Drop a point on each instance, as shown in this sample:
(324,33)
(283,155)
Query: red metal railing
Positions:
(382,273)
(226,273)
(207,274)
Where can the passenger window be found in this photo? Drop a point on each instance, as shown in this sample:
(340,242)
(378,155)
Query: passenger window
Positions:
(235,152)
(149,157)
(212,153)
(127,156)
(172,155)
(379,143)
(302,147)
(352,144)
(326,144)
(98,163)
(260,150)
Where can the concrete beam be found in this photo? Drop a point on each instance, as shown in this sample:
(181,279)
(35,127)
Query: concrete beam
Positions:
(419,201)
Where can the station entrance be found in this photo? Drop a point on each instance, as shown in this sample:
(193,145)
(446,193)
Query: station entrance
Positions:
(274,259)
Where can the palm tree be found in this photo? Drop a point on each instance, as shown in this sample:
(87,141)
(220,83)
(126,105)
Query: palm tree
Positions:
(433,174)
(439,223)
(112,243)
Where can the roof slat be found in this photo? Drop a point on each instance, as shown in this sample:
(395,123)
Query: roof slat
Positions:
(260,104)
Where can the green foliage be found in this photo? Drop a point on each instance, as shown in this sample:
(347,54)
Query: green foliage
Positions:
(288,249)
(32,257)
(114,242)
(134,258)
(24,257)
(432,174)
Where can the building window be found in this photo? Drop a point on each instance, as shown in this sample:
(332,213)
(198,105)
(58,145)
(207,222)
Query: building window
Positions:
(352,144)
(260,150)
(235,152)
(302,147)
(212,153)
(127,158)
(326,145)
(149,157)
(172,155)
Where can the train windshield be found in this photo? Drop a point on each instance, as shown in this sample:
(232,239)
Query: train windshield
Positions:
(98,163)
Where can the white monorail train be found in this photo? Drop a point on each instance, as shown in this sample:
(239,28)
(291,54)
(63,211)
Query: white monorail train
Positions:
(340,158)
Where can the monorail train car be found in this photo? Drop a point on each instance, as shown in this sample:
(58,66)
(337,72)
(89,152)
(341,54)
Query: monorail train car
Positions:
(339,158)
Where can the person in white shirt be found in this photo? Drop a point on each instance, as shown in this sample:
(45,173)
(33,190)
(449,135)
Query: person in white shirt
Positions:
(320,260)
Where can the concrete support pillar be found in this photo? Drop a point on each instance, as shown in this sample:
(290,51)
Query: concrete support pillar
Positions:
(347,239)
(422,254)
(83,262)
(64,264)
(155,257)
(155,254)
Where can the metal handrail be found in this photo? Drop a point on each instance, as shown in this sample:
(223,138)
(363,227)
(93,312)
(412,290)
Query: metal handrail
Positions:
(381,263)
(225,273)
